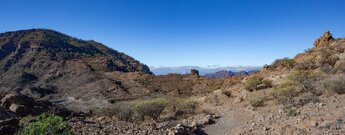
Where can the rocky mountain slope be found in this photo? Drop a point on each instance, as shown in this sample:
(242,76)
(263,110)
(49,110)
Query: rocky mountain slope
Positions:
(39,49)
(45,62)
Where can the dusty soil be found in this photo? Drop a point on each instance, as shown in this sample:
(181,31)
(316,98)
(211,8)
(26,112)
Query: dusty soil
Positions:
(324,117)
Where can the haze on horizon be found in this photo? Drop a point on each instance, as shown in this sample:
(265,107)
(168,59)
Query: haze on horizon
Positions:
(185,33)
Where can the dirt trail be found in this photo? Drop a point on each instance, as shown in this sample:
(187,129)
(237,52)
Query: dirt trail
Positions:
(232,119)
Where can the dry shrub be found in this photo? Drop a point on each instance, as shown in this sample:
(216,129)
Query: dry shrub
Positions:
(286,90)
(327,57)
(186,106)
(152,108)
(326,68)
(307,64)
(267,82)
(339,67)
(335,84)
(291,112)
(253,82)
(308,79)
(257,101)
(301,81)
(282,63)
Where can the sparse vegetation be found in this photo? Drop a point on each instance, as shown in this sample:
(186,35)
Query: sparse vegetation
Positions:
(291,112)
(43,125)
(253,82)
(339,67)
(267,82)
(327,57)
(297,82)
(152,108)
(257,101)
(307,79)
(335,84)
(285,90)
(307,64)
(284,63)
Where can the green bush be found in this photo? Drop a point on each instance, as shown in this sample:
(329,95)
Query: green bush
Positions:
(43,125)
(253,82)
(336,84)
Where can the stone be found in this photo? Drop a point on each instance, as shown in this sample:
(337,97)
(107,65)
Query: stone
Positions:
(324,40)
(19,99)
(21,109)
(314,123)
(180,129)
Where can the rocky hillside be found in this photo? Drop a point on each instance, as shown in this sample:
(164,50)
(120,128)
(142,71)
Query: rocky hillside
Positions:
(302,95)
(47,61)
(40,49)
(97,90)
(46,64)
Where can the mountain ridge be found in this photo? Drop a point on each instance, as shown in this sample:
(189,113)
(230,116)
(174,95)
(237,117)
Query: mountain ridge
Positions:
(163,70)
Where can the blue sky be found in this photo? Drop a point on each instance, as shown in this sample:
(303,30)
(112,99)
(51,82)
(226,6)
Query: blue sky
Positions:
(186,32)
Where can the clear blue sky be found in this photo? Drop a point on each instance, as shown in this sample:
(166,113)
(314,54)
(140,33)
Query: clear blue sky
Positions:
(186,32)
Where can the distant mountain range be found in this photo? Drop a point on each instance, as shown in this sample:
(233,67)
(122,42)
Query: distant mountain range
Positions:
(202,70)
(225,73)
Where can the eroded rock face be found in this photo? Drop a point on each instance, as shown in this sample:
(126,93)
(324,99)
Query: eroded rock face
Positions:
(324,40)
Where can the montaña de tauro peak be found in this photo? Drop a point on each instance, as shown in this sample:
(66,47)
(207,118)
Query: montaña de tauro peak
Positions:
(98,90)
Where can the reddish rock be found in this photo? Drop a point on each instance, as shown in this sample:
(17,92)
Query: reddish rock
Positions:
(324,40)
